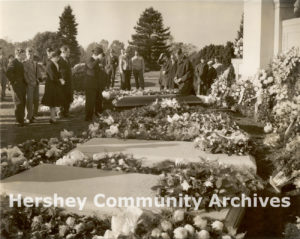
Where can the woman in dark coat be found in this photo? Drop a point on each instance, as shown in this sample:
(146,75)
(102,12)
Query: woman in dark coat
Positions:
(53,96)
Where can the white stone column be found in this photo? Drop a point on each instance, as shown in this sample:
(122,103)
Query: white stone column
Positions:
(283,11)
(258,35)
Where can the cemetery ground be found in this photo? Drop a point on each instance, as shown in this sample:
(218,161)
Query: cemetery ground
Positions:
(257,221)
(12,135)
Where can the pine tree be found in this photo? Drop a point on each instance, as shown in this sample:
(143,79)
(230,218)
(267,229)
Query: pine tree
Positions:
(151,36)
(67,33)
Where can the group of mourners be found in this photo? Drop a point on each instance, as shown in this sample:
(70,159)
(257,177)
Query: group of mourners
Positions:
(25,73)
(177,71)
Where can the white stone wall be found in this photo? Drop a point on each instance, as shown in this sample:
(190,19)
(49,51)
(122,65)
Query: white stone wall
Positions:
(290,33)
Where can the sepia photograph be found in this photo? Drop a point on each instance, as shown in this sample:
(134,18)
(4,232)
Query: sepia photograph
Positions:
(150,119)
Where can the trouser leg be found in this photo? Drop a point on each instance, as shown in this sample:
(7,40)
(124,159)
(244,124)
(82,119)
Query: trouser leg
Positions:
(29,102)
(98,104)
(127,80)
(113,74)
(123,84)
(3,86)
(36,100)
(141,79)
(20,103)
(90,100)
(136,78)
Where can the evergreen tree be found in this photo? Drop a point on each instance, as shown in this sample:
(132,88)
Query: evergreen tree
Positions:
(67,33)
(151,36)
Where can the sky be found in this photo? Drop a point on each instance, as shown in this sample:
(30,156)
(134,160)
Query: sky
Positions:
(190,21)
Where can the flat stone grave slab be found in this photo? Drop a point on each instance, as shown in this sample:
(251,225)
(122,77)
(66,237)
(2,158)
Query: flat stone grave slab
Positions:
(66,181)
(135,101)
(46,180)
(152,152)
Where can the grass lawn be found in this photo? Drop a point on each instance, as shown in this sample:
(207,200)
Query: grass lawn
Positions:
(10,134)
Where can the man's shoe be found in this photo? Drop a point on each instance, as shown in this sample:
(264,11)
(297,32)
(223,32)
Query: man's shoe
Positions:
(21,124)
(32,120)
(52,121)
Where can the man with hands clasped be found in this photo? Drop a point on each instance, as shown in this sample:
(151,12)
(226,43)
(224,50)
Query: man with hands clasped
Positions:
(184,74)
(94,85)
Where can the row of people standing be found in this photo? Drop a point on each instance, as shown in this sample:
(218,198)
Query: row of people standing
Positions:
(25,74)
(129,66)
(178,72)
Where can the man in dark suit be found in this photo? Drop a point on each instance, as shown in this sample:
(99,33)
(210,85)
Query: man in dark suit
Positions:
(111,66)
(15,74)
(94,85)
(200,75)
(66,73)
(184,74)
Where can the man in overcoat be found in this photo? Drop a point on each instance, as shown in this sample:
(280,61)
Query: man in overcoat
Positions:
(200,75)
(184,74)
(94,85)
(15,74)
(66,73)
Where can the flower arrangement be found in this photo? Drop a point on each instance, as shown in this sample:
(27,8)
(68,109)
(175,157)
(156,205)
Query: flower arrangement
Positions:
(33,152)
(168,120)
(41,222)
(77,105)
(176,224)
(204,179)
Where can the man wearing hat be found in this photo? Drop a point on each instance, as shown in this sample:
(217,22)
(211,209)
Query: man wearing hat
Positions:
(184,74)
(211,76)
(94,85)
(15,74)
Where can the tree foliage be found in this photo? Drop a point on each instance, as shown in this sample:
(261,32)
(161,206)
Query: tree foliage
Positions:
(43,40)
(67,33)
(8,47)
(224,52)
(151,36)
(187,48)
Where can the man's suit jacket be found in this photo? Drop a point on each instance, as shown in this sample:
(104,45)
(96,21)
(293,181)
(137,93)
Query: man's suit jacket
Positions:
(15,73)
(94,78)
(185,72)
(66,74)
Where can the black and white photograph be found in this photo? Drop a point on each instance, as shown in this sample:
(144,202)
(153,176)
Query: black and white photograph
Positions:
(172,119)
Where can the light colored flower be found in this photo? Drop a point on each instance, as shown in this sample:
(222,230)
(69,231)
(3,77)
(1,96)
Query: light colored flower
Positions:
(203,234)
(190,229)
(208,184)
(166,225)
(200,222)
(217,225)
(268,128)
(109,120)
(156,233)
(165,235)
(178,215)
(180,233)
(185,185)
(226,237)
